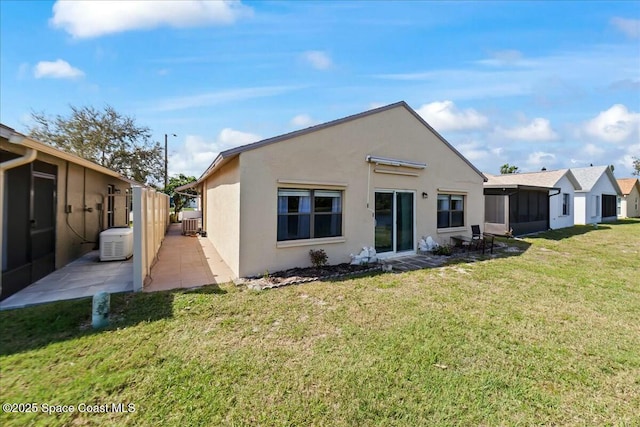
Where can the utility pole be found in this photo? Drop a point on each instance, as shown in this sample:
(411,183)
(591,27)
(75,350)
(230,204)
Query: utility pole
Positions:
(166,160)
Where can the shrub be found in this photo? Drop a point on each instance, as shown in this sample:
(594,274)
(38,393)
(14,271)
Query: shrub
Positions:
(443,250)
(318,257)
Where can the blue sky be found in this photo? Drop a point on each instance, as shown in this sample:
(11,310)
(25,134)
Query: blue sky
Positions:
(553,84)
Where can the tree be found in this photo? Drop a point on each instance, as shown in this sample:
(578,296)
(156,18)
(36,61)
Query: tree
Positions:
(179,200)
(105,137)
(636,166)
(507,168)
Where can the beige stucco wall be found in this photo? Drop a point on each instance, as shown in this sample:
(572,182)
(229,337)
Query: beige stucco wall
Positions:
(222,213)
(85,187)
(630,204)
(336,155)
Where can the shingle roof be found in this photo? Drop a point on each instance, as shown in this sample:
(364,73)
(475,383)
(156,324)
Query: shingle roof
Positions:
(626,184)
(546,179)
(587,177)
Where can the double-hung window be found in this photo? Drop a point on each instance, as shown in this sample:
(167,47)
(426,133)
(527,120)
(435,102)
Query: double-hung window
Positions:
(309,214)
(565,203)
(450,210)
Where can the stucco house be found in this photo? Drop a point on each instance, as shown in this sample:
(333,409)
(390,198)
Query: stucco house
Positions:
(53,206)
(596,201)
(381,178)
(629,201)
(522,203)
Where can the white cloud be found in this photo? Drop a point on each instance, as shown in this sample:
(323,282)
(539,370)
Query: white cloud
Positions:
(58,69)
(502,58)
(473,151)
(584,68)
(374,105)
(86,19)
(317,59)
(538,130)
(197,153)
(630,27)
(616,125)
(444,116)
(302,121)
(220,97)
(593,150)
(541,159)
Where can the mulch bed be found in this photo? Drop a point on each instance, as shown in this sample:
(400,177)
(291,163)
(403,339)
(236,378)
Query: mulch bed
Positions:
(303,275)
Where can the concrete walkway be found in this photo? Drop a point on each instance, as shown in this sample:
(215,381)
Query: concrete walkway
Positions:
(186,262)
(414,262)
(81,278)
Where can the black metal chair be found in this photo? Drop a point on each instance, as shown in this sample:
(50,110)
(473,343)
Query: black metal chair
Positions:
(476,237)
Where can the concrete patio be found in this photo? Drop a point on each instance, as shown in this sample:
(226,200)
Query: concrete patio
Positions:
(186,262)
(81,278)
(183,262)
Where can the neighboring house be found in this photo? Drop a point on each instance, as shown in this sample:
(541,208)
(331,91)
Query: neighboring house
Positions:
(54,205)
(596,201)
(522,203)
(629,201)
(381,178)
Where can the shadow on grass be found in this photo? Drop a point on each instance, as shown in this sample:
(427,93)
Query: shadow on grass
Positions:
(576,230)
(34,327)
(504,247)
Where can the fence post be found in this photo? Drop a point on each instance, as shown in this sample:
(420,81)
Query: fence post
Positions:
(139,256)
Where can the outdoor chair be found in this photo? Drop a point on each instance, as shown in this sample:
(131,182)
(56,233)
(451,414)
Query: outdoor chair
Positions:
(476,237)
(487,242)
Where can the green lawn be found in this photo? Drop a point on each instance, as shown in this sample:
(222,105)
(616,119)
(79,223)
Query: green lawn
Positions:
(550,336)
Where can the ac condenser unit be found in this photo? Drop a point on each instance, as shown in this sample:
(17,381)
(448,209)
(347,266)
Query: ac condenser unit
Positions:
(190,226)
(116,244)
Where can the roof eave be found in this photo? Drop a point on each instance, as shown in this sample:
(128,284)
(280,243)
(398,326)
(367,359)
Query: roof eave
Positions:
(41,147)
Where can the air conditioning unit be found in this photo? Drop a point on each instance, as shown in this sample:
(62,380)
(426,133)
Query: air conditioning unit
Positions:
(190,226)
(116,244)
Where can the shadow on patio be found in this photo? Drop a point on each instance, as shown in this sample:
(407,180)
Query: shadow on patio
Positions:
(186,262)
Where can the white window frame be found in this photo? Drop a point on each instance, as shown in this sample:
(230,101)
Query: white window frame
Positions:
(565,208)
(596,206)
(464,205)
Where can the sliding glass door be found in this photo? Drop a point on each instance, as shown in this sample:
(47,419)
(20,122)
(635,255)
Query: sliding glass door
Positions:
(395,218)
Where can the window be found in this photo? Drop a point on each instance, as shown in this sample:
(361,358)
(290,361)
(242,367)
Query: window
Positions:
(565,204)
(450,210)
(309,214)
(494,209)
(111,189)
(596,205)
(619,205)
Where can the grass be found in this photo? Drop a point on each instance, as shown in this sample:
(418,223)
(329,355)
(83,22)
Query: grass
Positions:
(550,336)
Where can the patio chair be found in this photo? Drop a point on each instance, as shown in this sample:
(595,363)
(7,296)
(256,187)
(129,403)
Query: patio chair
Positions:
(487,242)
(476,237)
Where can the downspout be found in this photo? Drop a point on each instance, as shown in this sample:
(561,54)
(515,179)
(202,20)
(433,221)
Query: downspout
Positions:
(549,196)
(28,157)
